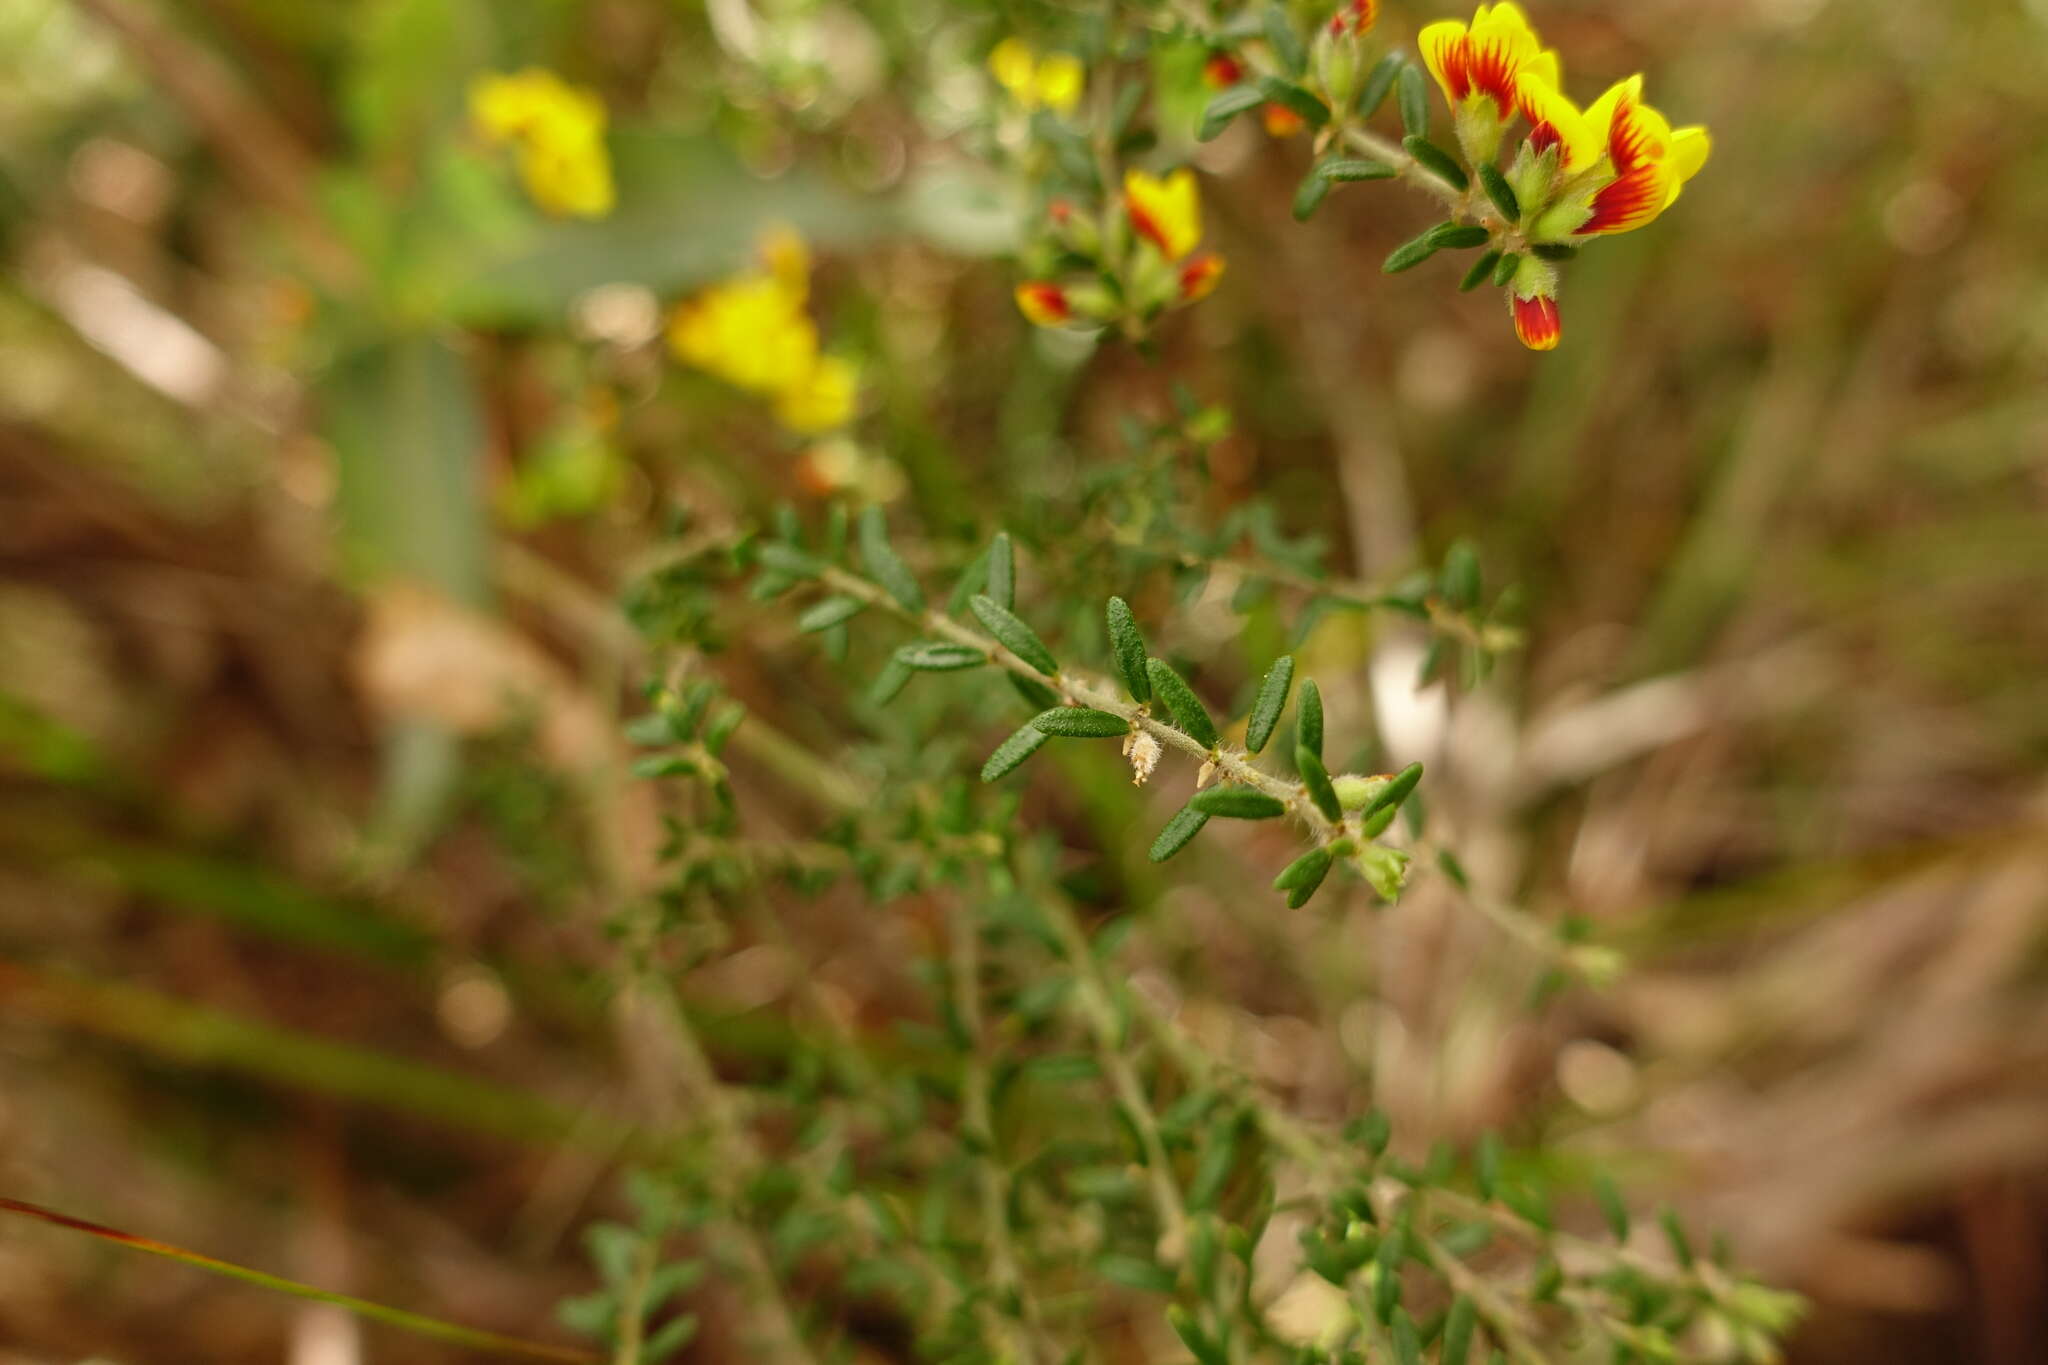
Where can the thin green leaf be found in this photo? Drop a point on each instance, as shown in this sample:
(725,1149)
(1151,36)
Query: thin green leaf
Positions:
(1292,97)
(1500,192)
(883,563)
(1479,273)
(1238,803)
(1081,722)
(1188,712)
(1002,572)
(1179,831)
(1504,269)
(1414,100)
(1458,1327)
(1226,107)
(1397,790)
(939,656)
(786,560)
(1308,717)
(1611,1205)
(1011,753)
(1272,700)
(1307,870)
(828,613)
(1129,647)
(1310,194)
(1458,236)
(1346,169)
(1408,255)
(1317,779)
(1378,83)
(1436,161)
(1015,636)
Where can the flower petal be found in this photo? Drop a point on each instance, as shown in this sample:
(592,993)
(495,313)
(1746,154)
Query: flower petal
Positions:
(1690,148)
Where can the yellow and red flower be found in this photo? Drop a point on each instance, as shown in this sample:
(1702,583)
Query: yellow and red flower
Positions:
(1198,276)
(1280,121)
(1044,303)
(1480,67)
(1619,164)
(1355,16)
(1536,321)
(1166,212)
(1222,70)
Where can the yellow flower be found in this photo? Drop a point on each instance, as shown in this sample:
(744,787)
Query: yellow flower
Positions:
(752,332)
(820,401)
(1486,58)
(1054,81)
(1166,213)
(1628,163)
(1480,68)
(557,132)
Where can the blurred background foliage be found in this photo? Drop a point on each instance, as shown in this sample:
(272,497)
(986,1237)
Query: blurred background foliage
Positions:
(317,441)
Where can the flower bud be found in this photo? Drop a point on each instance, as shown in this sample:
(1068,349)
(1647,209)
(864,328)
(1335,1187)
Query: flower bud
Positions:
(1073,229)
(1222,70)
(1337,61)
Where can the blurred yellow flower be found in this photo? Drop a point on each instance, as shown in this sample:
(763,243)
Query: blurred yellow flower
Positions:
(1623,161)
(1054,80)
(556,130)
(1166,213)
(752,332)
(822,400)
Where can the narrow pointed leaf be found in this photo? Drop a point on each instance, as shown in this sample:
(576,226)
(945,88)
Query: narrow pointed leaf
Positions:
(1292,97)
(1272,700)
(1374,93)
(1396,791)
(1226,107)
(1458,1332)
(1408,255)
(1436,161)
(828,613)
(1080,722)
(1180,699)
(1307,870)
(1500,192)
(1129,647)
(1308,717)
(1011,753)
(883,563)
(1181,829)
(1317,779)
(1481,271)
(1002,572)
(1238,803)
(939,656)
(1015,636)
(1504,269)
(1414,100)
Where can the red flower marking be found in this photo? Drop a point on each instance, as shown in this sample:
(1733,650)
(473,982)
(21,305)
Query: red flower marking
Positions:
(1537,322)
(1543,136)
(1487,68)
(1358,16)
(1199,276)
(1222,70)
(1639,193)
(1146,226)
(1049,300)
